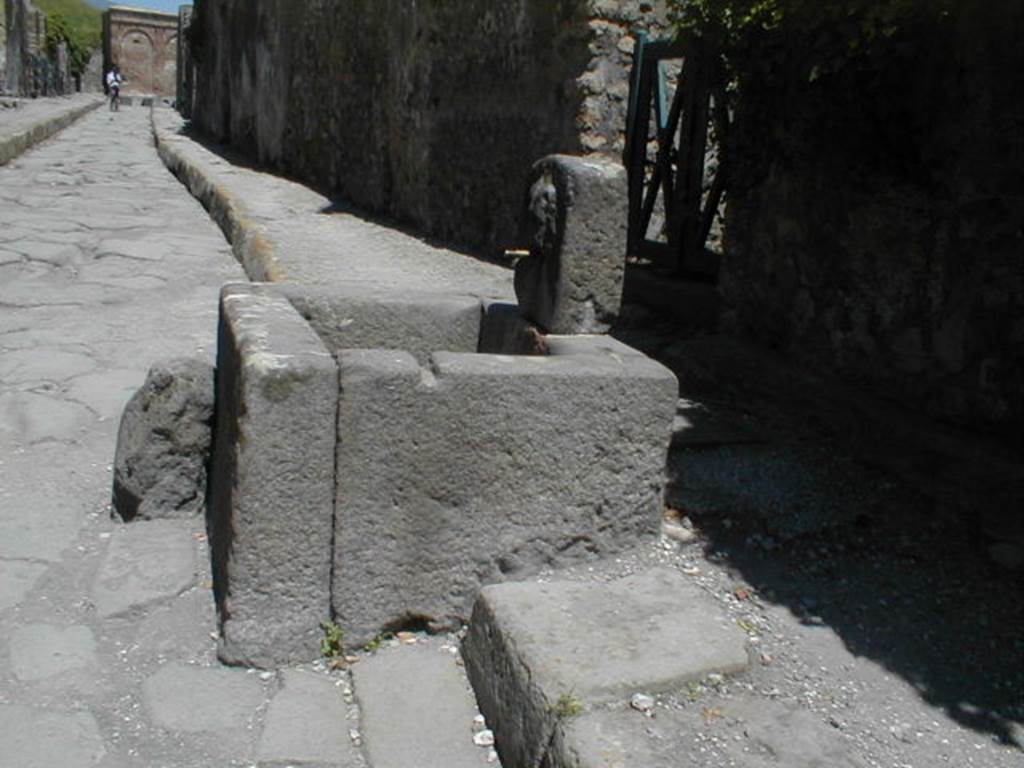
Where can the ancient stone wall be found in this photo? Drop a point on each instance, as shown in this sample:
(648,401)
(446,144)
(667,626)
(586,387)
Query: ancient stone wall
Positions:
(144,44)
(432,112)
(30,69)
(911,286)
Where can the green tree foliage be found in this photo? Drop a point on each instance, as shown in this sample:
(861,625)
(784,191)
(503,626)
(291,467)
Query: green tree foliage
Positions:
(75,23)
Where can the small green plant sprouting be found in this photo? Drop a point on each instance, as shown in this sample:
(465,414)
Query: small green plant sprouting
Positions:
(379,640)
(330,643)
(567,706)
(693,691)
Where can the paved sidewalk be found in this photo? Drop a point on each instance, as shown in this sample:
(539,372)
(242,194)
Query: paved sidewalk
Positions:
(35,120)
(282,231)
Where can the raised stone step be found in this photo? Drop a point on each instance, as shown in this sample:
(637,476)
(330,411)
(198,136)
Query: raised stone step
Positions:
(541,654)
(418,708)
(734,732)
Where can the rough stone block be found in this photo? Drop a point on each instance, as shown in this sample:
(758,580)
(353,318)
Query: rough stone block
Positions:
(368,317)
(531,644)
(748,732)
(577,211)
(164,442)
(482,468)
(417,709)
(271,505)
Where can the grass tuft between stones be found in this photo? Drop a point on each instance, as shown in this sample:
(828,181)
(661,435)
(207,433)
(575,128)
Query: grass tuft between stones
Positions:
(567,706)
(330,643)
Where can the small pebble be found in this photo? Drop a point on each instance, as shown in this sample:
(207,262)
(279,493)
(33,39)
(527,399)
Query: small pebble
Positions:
(484,738)
(479,724)
(641,702)
(677,532)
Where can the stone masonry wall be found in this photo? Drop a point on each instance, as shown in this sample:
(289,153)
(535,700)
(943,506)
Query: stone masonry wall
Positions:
(432,112)
(144,44)
(29,68)
(913,287)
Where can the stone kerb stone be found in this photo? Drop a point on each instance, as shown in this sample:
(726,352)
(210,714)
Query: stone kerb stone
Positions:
(536,650)
(271,505)
(481,468)
(577,211)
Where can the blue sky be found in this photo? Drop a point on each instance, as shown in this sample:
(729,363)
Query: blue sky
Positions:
(156,5)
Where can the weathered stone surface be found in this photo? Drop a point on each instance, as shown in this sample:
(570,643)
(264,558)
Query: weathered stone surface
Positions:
(306,725)
(39,651)
(748,734)
(428,149)
(577,210)
(530,644)
(38,121)
(421,688)
(145,563)
(368,317)
(163,444)
(182,697)
(180,630)
(272,490)
(16,580)
(37,738)
(487,467)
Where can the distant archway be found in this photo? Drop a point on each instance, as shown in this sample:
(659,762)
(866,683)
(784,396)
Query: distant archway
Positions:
(136,60)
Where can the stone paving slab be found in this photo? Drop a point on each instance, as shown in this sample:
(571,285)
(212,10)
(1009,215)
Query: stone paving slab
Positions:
(36,120)
(537,650)
(146,562)
(16,580)
(39,651)
(282,231)
(37,738)
(417,708)
(306,725)
(183,697)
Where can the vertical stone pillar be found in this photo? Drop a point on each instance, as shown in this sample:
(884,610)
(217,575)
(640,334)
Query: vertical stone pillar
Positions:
(183,94)
(271,505)
(3,44)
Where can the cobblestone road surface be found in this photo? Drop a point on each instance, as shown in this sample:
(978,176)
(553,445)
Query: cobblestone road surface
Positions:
(106,264)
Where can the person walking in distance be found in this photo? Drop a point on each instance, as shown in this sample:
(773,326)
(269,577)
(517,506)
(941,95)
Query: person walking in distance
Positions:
(114,81)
